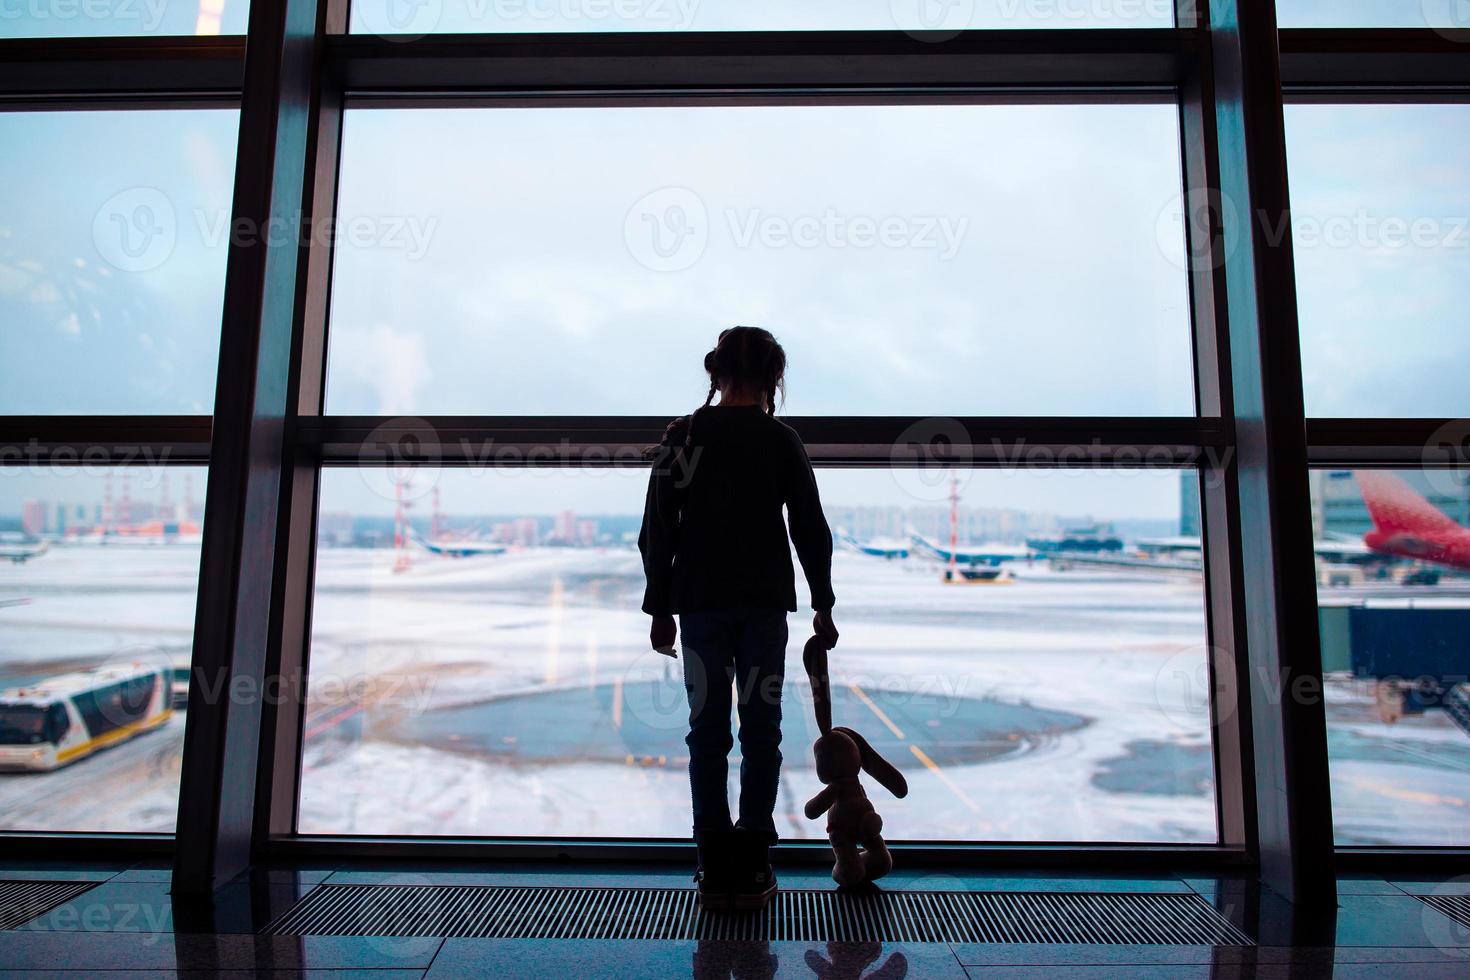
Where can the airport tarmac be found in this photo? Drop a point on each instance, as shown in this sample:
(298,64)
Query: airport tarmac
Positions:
(515,695)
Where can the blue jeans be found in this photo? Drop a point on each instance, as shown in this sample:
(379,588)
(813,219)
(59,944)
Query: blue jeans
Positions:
(746,647)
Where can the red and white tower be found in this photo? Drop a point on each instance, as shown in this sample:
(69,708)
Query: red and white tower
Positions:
(401,560)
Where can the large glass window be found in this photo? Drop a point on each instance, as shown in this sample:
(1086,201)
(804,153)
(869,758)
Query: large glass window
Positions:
(959,260)
(1373,13)
(121,18)
(112,260)
(98,574)
(480,666)
(1381,225)
(925,18)
(1393,565)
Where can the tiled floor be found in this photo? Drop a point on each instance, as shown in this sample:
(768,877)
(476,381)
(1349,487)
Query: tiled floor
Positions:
(129,926)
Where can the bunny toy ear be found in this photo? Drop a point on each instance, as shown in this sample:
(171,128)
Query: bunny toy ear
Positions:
(877,766)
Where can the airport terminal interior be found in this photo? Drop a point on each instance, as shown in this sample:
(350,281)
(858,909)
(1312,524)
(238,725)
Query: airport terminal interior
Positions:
(1127,341)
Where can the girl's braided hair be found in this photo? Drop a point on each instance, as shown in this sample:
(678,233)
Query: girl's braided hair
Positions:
(745,357)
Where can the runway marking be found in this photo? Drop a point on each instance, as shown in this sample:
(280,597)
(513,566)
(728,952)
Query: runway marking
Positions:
(617,702)
(1407,795)
(876,710)
(943,777)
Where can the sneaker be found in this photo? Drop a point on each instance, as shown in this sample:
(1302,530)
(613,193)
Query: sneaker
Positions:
(754,881)
(714,876)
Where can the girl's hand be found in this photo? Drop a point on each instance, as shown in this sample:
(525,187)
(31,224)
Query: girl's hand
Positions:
(823,626)
(662,634)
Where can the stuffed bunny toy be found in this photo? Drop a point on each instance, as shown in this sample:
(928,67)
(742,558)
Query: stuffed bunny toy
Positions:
(853,826)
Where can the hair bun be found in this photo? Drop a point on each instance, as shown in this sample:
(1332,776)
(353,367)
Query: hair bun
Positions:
(709,361)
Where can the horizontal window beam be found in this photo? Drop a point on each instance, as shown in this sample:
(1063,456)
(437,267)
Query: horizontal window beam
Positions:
(1008,65)
(44,73)
(1389,442)
(1375,65)
(447,66)
(551,441)
(103,440)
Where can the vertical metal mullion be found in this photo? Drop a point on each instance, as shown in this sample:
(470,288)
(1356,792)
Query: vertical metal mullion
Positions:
(1277,600)
(1219,503)
(217,793)
(282,747)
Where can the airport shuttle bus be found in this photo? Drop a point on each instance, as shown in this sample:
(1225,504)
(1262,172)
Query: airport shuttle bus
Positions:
(57,721)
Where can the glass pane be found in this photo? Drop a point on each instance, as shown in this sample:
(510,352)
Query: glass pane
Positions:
(1393,565)
(122,18)
(930,19)
(1452,14)
(112,260)
(961,260)
(491,674)
(1381,225)
(98,575)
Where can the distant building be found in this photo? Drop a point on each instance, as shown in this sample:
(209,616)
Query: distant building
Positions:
(33,517)
(335,528)
(1189,505)
(1338,508)
(586,533)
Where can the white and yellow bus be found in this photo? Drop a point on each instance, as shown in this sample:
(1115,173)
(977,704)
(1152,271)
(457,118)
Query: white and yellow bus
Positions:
(59,720)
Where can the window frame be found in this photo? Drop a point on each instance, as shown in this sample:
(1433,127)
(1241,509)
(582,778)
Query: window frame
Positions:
(268,438)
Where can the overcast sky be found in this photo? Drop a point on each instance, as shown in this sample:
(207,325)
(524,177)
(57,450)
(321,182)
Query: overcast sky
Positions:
(914,261)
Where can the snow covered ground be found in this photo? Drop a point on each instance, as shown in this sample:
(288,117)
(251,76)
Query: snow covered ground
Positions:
(515,696)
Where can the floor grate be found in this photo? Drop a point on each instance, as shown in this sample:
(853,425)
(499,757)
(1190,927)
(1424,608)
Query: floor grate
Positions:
(501,912)
(1457,907)
(22,901)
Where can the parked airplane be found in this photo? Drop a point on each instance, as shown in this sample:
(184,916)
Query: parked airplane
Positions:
(991,554)
(458,548)
(876,548)
(18,550)
(1408,526)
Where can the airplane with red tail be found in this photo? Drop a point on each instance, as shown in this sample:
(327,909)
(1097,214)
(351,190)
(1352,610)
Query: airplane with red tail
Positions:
(1406,525)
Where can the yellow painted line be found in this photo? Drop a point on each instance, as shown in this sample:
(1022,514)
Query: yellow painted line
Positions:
(875,709)
(943,777)
(617,702)
(1408,795)
(114,736)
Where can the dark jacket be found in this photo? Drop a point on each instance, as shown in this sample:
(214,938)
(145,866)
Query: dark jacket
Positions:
(713,537)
